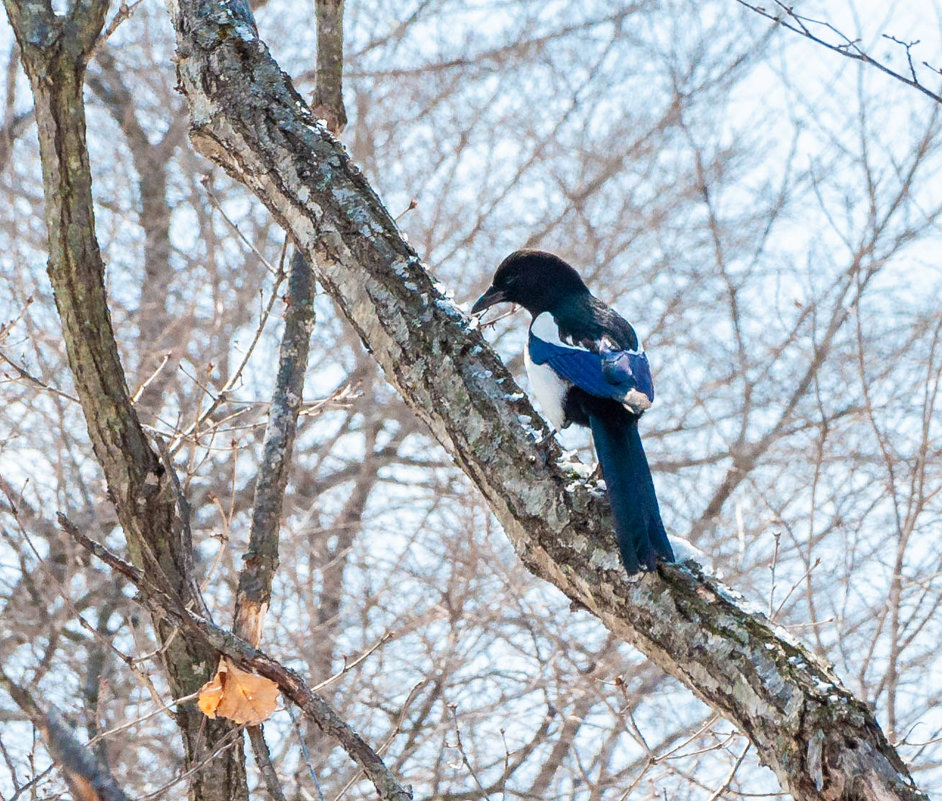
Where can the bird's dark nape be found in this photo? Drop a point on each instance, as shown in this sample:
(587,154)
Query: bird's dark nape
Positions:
(630,488)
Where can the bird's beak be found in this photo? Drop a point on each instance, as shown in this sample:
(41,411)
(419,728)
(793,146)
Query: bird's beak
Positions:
(488,299)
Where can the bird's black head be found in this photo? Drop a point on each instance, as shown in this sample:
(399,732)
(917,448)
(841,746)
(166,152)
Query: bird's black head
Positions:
(536,280)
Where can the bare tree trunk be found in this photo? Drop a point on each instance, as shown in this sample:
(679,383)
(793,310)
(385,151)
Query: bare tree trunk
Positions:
(819,739)
(328,89)
(151,162)
(55,50)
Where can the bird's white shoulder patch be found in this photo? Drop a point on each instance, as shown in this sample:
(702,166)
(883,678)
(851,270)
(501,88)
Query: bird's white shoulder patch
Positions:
(544,327)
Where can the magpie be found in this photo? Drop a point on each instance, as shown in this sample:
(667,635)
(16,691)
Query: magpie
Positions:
(586,366)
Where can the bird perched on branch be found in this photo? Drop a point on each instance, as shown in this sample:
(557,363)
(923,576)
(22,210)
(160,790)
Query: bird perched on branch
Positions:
(586,366)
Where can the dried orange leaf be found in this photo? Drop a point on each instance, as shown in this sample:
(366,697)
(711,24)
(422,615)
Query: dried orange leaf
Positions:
(211,694)
(236,694)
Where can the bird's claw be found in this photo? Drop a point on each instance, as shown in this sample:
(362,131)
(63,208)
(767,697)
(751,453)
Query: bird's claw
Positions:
(545,444)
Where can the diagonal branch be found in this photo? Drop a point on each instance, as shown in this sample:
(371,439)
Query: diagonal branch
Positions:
(817,737)
(245,654)
(788,18)
(88,778)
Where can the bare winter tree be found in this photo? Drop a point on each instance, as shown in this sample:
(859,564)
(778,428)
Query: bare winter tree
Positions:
(794,294)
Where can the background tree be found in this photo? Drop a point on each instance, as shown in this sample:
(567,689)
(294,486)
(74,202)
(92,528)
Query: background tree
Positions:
(797,303)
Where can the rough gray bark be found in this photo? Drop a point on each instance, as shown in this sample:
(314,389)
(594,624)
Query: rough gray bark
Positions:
(260,561)
(151,163)
(819,739)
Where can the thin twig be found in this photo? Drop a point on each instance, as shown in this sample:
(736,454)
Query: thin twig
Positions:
(27,376)
(348,666)
(305,753)
(265,766)
(214,201)
(223,395)
(124,12)
(231,739)
(138,720)
(732,774)
(60,590)
(389,739)
(788,18)
(183,505)
(464,757)
(140,390)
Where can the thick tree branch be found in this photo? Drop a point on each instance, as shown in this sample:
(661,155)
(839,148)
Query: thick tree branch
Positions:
(151,163)
(261,560)
(818,738)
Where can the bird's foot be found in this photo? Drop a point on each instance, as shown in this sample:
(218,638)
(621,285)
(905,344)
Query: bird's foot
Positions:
(545,444)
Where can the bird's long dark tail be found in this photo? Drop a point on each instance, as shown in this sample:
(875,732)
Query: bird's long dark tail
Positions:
(641,535)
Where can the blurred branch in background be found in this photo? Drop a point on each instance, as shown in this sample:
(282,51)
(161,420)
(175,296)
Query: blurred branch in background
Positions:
(88,778)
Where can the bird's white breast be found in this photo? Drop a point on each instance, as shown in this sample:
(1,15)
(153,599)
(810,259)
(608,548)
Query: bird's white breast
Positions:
(548,388)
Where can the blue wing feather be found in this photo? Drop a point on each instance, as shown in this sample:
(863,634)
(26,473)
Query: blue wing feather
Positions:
(626,368)
(607,374)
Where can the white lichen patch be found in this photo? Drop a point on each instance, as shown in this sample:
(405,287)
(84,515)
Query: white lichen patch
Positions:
(605,559)
(451,309)
(578,543)
(533,501)
(569,463)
